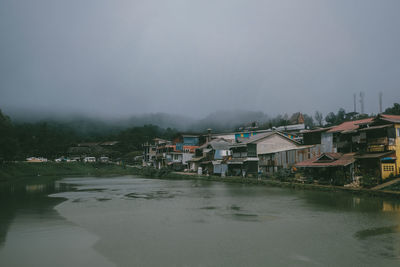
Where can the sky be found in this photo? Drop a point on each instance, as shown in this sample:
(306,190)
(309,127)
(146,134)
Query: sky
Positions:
(126,57)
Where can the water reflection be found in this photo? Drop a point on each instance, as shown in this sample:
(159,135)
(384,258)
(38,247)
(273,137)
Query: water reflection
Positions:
(375,231)
(390,206)
(137,222)
(343,201)
(27,196)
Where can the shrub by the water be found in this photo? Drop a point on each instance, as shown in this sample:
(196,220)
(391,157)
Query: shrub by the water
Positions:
(283,175)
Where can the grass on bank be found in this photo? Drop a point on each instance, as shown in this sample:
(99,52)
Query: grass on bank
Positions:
(10,171)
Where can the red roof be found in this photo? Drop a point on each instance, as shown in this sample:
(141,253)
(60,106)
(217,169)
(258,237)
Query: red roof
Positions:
(328,160)
(391,118)
(349,125)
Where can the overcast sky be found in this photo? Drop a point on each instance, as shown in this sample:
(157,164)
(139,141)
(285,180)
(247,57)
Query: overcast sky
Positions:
(112,57)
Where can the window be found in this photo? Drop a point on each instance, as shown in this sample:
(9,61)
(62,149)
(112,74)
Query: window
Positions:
(398,132)
(388,168)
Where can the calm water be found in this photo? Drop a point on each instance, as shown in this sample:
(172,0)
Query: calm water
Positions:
(128,221)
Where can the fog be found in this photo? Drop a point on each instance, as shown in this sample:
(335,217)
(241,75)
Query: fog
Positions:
(191,58)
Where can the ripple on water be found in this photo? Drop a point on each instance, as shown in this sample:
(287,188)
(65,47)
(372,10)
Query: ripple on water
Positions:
(234,207)
(209,208)
(78,200)
(151,195)
(91,190)
(103,199)
(376,231)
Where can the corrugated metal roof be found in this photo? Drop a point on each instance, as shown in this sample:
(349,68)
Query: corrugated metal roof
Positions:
(219,144)
(337,160)
(390,118)
(259,137)
(236,161)
(317,130)
(349,125)
(373,155)
(376,127)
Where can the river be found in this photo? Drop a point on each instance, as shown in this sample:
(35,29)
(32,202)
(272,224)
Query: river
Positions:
(132,221)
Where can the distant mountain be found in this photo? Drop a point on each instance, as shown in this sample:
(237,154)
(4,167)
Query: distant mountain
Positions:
(163,120)
(219,121)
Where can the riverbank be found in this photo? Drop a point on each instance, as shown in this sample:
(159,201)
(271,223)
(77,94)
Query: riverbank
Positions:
(160,174)
(14,171)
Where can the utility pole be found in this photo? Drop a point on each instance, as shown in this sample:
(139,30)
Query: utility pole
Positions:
(362,94)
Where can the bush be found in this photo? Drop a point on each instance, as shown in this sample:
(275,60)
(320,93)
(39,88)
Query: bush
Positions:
(369,180)
(149,172)
(154,173)
(163,172)
(283,175)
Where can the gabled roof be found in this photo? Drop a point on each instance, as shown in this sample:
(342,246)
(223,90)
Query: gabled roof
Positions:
(328,160)
(349,125)
(328,156)
(259,137)
(317,130)
(217,144)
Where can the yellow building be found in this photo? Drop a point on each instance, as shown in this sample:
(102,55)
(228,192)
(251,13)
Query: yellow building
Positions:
(382,145)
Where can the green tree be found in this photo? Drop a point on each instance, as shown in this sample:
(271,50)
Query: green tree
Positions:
(8,143)
(395,110)
(308,121)
(334,119)
(341,116)
(330,118)
(318,118)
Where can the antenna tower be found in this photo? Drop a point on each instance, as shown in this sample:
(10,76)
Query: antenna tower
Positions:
(362,94)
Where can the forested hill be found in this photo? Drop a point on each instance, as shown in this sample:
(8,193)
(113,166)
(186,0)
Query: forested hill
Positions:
(51,137)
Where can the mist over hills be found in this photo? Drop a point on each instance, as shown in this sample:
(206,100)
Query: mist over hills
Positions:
(219,121)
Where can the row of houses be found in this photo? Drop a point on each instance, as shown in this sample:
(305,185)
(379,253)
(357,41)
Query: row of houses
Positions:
(250,152)
(369,146)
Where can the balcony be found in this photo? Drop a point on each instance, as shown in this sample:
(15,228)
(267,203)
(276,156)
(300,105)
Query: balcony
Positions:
(381,144)
(266,162)
(240,155)
(379,141)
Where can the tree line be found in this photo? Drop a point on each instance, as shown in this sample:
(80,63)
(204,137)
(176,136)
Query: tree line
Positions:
(52,139)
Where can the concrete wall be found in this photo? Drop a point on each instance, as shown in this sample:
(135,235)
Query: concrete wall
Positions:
(274,143)
(327,142)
